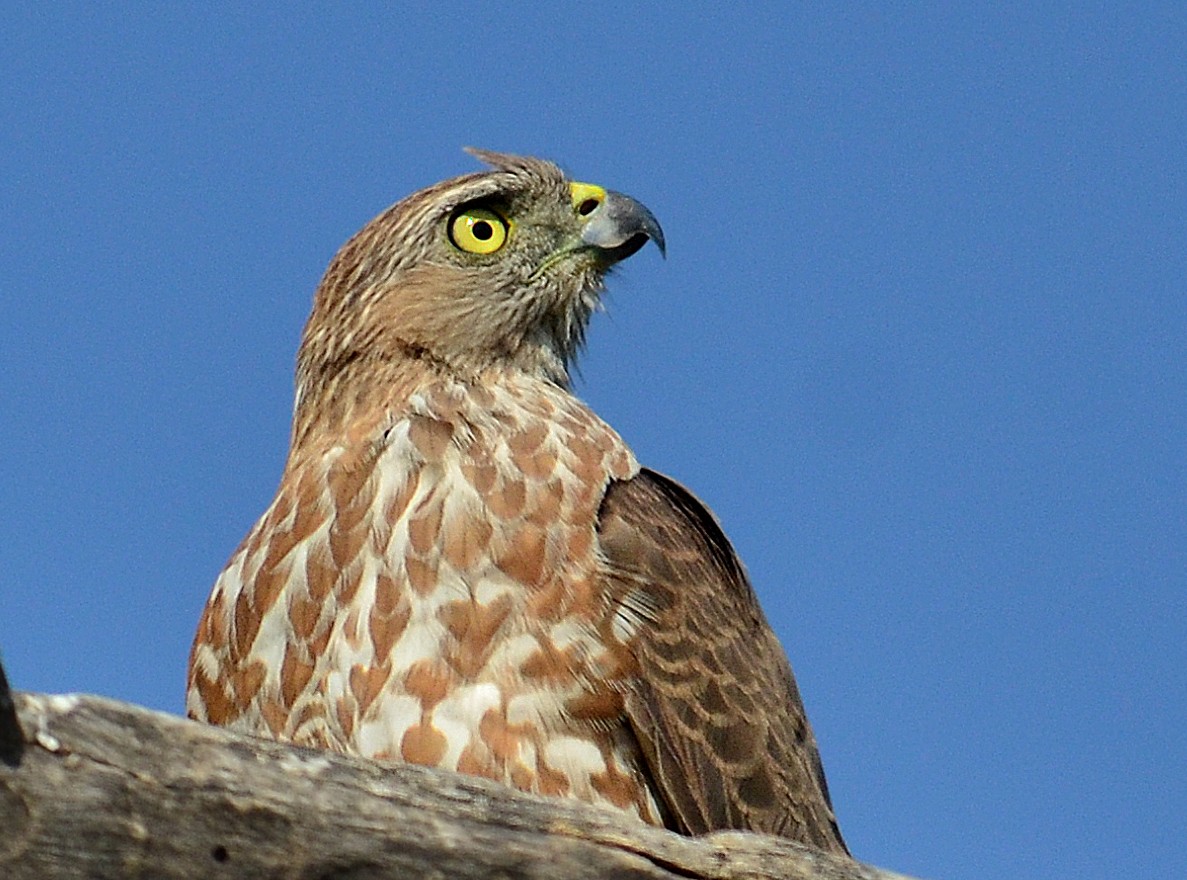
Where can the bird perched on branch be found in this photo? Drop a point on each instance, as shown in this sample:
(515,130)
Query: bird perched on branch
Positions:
(464,567)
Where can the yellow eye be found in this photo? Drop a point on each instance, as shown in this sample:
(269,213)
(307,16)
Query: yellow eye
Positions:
(478,231)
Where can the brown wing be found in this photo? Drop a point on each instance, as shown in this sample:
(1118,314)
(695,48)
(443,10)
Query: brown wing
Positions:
(715,706)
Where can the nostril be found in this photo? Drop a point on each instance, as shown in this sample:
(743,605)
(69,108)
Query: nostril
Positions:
(587,207)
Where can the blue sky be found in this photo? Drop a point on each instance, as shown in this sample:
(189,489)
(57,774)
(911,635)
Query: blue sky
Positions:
(920,341)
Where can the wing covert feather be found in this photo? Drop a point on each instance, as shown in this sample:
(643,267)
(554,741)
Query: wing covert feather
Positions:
(715,705)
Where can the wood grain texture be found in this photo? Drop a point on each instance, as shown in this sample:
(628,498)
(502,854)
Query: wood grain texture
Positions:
(109,790)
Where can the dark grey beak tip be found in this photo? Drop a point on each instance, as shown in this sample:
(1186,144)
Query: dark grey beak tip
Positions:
(657,235)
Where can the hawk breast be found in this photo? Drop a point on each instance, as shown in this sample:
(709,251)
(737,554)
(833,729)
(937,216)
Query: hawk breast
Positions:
(431,592)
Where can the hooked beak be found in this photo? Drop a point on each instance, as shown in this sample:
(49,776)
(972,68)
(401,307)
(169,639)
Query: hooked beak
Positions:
(619,226)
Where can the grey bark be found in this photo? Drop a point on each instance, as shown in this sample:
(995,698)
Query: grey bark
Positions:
(94,788)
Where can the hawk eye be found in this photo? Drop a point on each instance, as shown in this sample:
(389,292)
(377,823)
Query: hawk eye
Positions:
(477,230)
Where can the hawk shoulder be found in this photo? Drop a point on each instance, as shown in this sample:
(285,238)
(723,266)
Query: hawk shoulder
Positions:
(714,704)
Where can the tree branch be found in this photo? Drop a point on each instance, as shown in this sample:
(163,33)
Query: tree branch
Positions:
(96,788)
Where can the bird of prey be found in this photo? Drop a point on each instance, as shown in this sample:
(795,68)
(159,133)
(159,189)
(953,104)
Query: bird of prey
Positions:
(464,567)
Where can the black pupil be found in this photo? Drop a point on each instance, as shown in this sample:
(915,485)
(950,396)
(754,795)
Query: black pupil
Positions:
(587,207)
(482,230)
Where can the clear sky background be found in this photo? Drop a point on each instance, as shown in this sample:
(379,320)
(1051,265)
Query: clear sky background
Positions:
(920,341)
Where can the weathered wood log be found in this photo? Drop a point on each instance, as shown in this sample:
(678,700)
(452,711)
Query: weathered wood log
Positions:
(94,788)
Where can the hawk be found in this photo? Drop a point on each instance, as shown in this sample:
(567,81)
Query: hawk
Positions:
(464,567)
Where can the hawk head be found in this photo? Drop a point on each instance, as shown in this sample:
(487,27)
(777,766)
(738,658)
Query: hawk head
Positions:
(498,269)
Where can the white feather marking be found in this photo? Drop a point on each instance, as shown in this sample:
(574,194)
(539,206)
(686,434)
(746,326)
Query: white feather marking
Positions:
(274,636)
(421,640)
(493,585)
(527,709)
(386,723)
(569,631)
(630,615)
(459,715)
(574,756)
(513,652)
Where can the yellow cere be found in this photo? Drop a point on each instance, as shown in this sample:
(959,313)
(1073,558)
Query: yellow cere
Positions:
(586,197)
(478,231)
